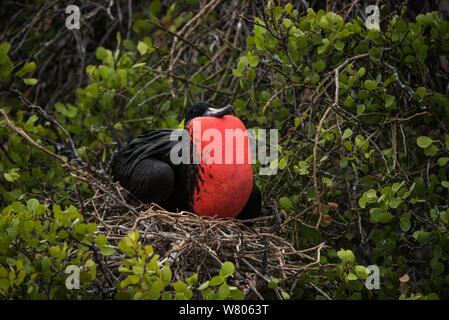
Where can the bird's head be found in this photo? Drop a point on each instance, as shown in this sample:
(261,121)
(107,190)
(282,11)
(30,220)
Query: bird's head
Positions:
(204,109)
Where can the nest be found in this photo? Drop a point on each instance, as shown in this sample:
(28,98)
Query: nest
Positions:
(192,244)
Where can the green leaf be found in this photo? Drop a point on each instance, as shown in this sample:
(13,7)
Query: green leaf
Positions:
(374,54)
(227,269)
(4,48)
(11,176)
(243,62)
(444,216)
(360,72)
(443,161)
(437,267)
(285,203)
(101,240)
(155,7)
(283,163)
(215,281)
(6,66)
(343,163)
(166,274)
(431,150)
(253,61)
(351,276)
(239,104)
(347,133)
(71,111)
(339,45)
(421,92)
(375,214)
(371,194)
(385,217)
(45,263)
(192,279)
(424,142)
(277,12)
(128,44)
(346,256)
(166,296)
(287,23)
(421,236)
(319,66)
(223,292)
(236,73)
(142,47)
(203,286)
(405,224)
(327,181)
(323,23)
(322,49)
(101,53)
(370,85)
(32,204)
(27,68)
(180,286)
(361,272)
(138,269)
(30,81)
(237,294)
(285,295)
(107,251)
(409,59)
(389,100)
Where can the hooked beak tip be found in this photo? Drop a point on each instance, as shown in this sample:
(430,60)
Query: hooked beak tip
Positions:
(218,113)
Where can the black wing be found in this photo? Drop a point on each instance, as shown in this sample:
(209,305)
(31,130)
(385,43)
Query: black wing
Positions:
(143,166)
(151,144)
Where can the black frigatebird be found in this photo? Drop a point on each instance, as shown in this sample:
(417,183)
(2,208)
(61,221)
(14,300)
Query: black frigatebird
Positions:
(208,187)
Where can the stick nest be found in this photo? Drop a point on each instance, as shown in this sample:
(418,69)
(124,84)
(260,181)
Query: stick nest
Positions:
(193,244)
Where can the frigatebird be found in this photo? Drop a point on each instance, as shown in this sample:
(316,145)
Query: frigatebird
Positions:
(211,186)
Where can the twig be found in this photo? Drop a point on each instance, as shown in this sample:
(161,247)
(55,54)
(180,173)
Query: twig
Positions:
(47,117)
(315,147)
(320,291)
(29,139)
(179,37)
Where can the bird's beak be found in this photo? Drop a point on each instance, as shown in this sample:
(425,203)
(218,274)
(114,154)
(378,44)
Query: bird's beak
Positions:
(218,113)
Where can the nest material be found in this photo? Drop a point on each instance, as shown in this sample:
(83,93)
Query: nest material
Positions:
(191,243)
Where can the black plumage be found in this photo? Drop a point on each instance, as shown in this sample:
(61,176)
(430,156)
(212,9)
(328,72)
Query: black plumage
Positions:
(144,168)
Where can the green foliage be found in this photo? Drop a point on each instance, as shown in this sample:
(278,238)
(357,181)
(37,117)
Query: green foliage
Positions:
(385,206)
(151,278)
(37,244)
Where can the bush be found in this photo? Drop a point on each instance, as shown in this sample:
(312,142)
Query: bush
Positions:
(365,156)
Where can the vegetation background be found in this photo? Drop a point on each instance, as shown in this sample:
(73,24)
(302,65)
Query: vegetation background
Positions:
(364,140)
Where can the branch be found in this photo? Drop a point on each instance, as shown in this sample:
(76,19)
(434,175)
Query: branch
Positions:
(315,147)
(190,44)
(46,116)
(29,139)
